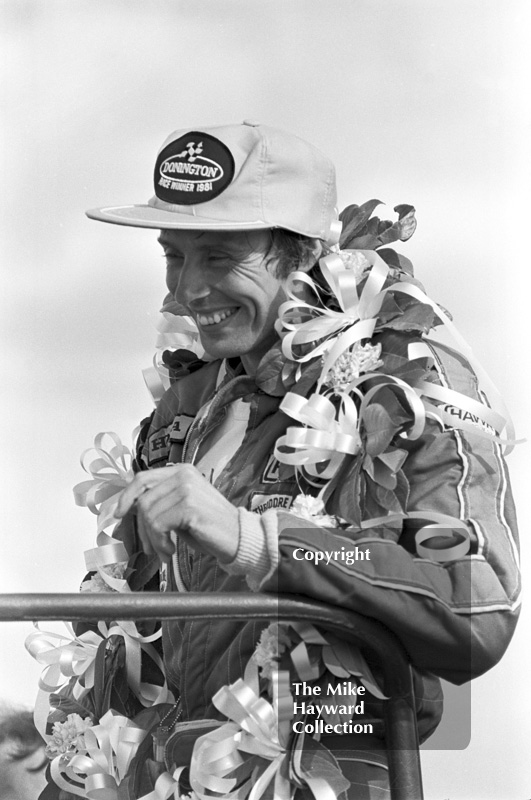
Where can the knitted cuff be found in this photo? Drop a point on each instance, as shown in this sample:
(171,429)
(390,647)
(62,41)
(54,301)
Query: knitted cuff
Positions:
(257,555)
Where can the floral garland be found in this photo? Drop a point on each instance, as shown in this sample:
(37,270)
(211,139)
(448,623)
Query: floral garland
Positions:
(256,754)
(87,675)
(92,760)
(370,394)
(369,326)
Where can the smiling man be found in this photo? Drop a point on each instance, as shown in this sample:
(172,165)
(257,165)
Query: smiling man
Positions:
(222,281)
(235,491)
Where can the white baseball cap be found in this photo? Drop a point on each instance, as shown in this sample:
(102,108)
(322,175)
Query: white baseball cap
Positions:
(235,178)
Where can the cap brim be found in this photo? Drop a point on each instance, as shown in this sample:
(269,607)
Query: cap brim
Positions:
(146,216)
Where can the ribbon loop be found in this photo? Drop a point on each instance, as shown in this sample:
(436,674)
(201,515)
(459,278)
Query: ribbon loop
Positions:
(110,747)
(262,731)
(111,471)
(331,430)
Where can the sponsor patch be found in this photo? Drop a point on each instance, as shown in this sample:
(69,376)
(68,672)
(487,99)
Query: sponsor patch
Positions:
(263,502)
(271,474)
(193,169)
(158,446)
(467,416)
(179,428)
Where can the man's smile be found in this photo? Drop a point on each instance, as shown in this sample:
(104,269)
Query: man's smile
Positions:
(215,317)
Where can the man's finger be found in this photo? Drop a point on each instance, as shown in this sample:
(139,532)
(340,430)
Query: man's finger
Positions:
(144,538)
(141,483)
(159,544)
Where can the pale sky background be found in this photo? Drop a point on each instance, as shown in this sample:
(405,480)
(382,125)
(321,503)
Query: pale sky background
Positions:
(416,101)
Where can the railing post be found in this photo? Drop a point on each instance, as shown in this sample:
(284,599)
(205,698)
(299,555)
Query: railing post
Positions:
(401,736)
(372,637)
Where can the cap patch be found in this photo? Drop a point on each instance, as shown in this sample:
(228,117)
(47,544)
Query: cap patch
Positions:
(193,169)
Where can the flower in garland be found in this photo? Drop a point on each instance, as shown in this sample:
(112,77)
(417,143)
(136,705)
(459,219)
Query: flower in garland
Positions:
(357,360)
(272,644)
(68,737)
(354,261)
(313,509)
(97,584)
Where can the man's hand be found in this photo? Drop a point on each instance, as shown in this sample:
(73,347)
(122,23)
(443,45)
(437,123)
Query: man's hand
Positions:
(179,499)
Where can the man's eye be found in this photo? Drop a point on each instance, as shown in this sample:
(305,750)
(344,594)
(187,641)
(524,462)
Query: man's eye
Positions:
(220,258)
(173,258)
(42,765)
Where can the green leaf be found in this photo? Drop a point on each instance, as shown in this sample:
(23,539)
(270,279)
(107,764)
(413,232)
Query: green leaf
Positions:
(394,357)
(413,372)
(143,568)
(383,225)
(403,210)
(390,308)
(387,499)
(380,472)
(362,232)
(394,343)
(369,241)
(349,214)
(354,219)
(402,489)
(271,373)
(379,428)
(406,217)
(402,312)
(67,705)
(392,234)
(393,459)
(396,405)
(372,227)
(396,260)
(139,779)
(347,502)
(393,364)
(418,317)
(372,507)
(399,231)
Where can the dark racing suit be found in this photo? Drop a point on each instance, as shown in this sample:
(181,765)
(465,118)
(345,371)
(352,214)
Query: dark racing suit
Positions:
(454,619)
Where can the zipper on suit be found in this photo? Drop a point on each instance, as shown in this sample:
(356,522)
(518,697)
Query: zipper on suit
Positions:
(215,401)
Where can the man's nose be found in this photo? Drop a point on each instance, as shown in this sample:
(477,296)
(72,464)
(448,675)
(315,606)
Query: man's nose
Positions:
(191,284)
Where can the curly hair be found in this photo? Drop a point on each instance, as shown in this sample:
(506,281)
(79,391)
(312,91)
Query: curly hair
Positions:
(290,251)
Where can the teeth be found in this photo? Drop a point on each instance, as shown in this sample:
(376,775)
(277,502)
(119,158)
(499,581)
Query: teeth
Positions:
(217,316)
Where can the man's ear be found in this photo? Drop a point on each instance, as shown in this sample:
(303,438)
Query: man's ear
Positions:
(313,256)
(300,289)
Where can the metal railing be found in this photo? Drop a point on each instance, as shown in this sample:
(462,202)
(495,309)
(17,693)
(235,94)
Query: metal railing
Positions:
(376,642)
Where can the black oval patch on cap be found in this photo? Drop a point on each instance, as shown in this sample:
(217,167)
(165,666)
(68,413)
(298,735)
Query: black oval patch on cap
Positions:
(192,169)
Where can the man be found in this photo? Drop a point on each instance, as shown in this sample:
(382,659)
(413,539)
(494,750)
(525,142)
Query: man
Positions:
(239,209)
(22,758)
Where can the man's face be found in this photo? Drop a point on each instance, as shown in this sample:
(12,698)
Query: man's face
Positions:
(21,779)
(222,280)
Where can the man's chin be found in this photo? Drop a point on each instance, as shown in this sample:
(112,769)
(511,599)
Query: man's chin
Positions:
(218,349)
